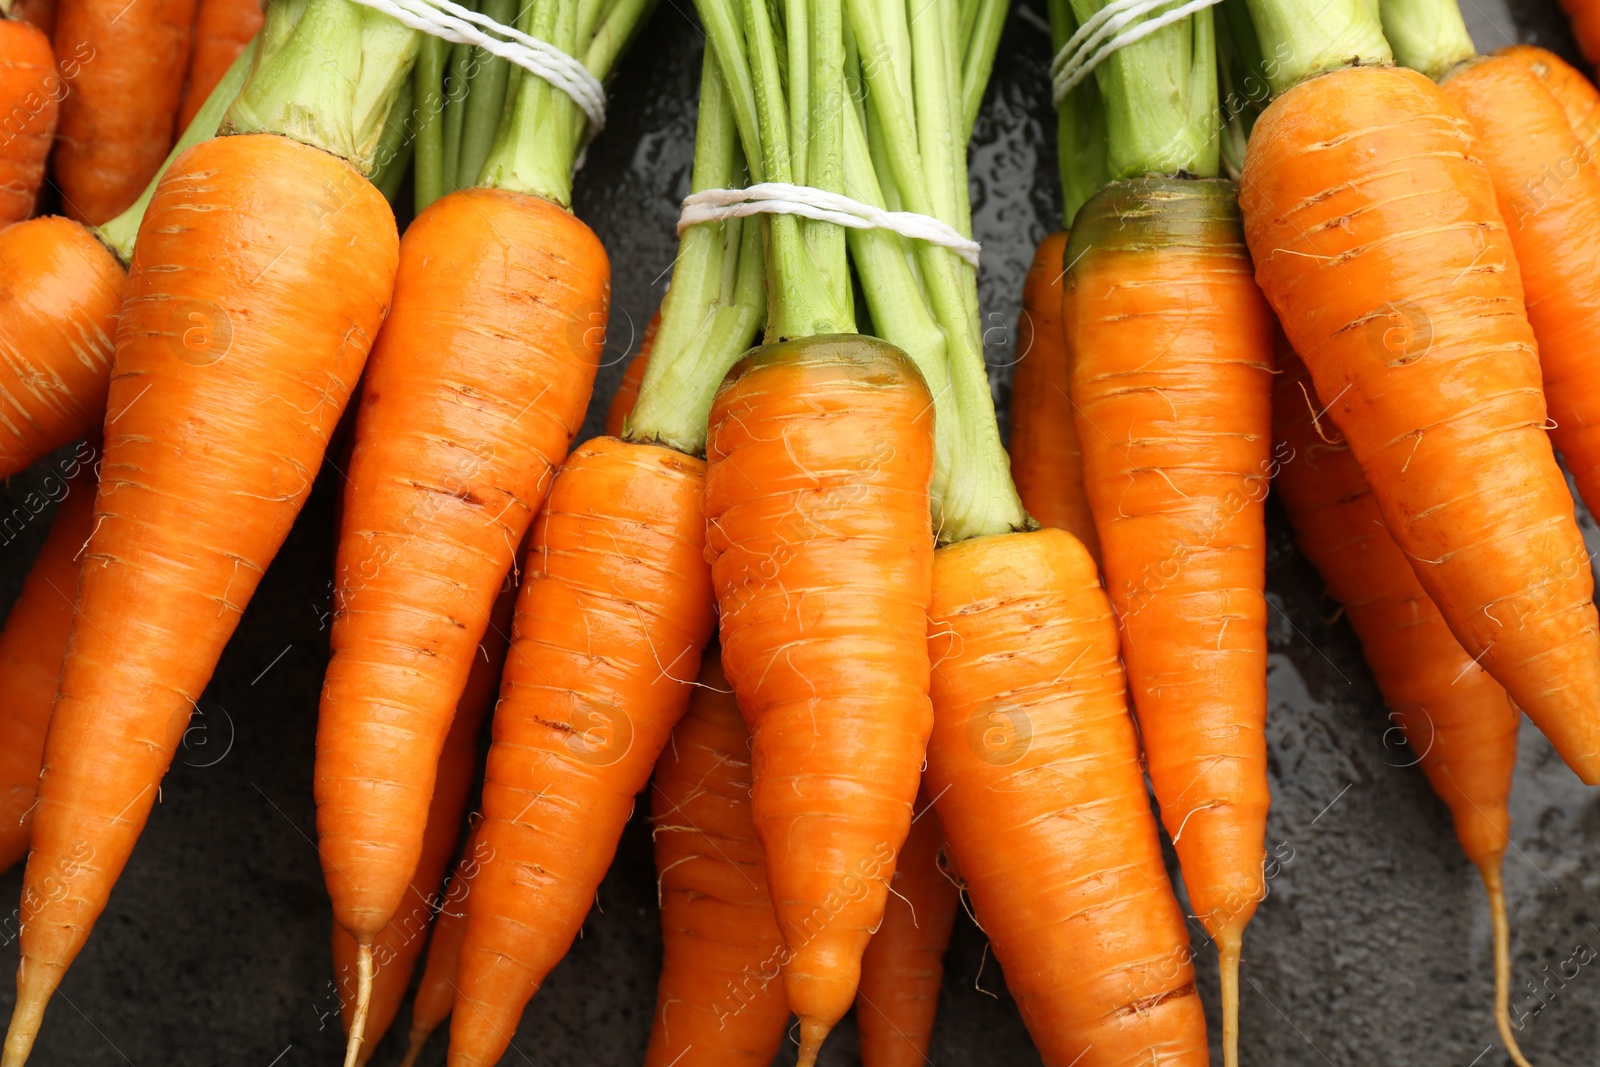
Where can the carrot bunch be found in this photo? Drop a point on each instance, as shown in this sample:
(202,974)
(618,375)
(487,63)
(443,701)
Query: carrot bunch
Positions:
(223,394)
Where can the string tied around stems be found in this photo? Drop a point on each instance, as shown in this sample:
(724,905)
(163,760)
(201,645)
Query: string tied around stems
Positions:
(782,198)
(452,22)
(1104,33)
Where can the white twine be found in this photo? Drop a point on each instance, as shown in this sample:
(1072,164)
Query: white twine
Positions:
(452,22)
(781,198)
(1097,38)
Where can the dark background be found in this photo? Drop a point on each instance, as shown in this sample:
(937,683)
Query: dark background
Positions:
(1373,946)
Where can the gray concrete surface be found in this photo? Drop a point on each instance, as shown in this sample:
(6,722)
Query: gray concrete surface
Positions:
(1372,947)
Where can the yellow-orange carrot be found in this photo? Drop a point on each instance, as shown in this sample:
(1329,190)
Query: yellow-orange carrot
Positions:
(903,967)
(1046,462)
(720,1000)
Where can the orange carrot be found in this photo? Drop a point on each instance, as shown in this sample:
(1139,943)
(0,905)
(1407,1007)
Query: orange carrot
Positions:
(822,562)
(32,646)
(1046,462)
(40,13)
(58,314)
(1453,714)
(30,100)
(213,436)
(1549,194)
(398,946)
(628,390)
(719,1001)
(124,66)
(1410,319)
(1575,93)
(221,30)
(609,628)
(903,967)
(1032,731)
(1171,384)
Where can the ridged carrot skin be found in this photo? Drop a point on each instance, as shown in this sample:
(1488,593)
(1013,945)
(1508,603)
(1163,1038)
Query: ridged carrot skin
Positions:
(720,999)
(1455,717)
(1585,16)
(1575,93)
(1172,386)
(627,393)
(610,622)
(30,101)
(224,391)
(60,294)
(475,387)
(32,647)
(1046,462)
(221,30)
(1377,237)
(1549,193)
(1035,764)
(124,66)
(398,946)
(903,967)
(819,535)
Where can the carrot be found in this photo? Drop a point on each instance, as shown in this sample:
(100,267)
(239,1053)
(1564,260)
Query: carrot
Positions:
(627,393)
(719,1001)
(1046,460)
(58,312)
(1549,193)
(1172,391)
(1585,16)
(1575,93)
(903,967)
(609,628)
(213,436)
(33,644)
(221,30)
(476,386)
(117,122)
(1452,713)
(30,101)
(398,946)
(1035,764)
(1410,321)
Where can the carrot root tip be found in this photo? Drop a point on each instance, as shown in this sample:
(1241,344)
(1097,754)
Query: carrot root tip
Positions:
(1492,882)
(358,1023)
(28,1015)
(813,1032)
(419,1038)
(1229,947)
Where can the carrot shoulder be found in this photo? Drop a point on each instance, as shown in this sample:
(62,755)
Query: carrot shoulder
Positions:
(1046,461)
(1172,389)
(125,66)
(223,395)
(820,538)
(32,647)
(1031,730)
(720,1000)
(1377,237)
(1575,93)
(903,967)
(30,101)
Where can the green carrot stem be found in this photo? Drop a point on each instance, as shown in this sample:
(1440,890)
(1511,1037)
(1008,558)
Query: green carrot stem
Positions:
(120,233)
(1303,38)
(982,39)
(397,143)
(457,89)
(328,75)
(1427,35)
(485,101)
(1080,127)
(715,305)
(428,81)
